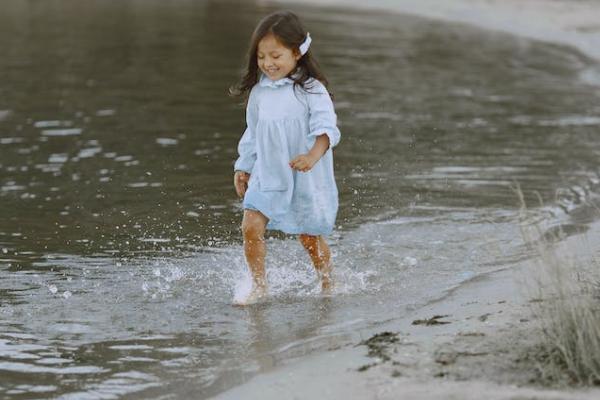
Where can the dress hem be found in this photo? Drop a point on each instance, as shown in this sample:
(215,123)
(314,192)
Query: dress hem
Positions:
(273,226)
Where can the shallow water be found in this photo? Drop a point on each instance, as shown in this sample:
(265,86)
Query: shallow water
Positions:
(120,249)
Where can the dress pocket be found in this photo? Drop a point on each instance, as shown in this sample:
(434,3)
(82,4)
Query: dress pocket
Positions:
(275,174)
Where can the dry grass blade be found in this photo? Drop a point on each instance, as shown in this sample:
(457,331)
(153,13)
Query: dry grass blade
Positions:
(570,311)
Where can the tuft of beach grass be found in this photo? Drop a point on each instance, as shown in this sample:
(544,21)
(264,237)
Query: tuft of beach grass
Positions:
(567,291)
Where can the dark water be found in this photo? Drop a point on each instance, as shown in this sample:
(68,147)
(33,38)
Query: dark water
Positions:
(120,249)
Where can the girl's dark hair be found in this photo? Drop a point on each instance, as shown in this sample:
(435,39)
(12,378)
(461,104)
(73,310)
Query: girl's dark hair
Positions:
(288,30)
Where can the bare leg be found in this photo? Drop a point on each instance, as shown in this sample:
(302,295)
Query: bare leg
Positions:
(253,230)
(321,257)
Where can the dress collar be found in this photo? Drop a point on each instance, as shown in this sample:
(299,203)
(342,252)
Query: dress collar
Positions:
(265,81)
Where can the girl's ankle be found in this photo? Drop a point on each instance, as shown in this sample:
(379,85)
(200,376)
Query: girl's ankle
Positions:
(259,284)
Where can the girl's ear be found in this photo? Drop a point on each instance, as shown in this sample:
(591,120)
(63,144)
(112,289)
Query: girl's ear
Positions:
(297,54)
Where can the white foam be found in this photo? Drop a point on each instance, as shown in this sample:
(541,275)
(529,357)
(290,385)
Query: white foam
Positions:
(155,240)
(242,288)
(28,368)
(105,113)
(10,140)
(62,132)
(167,141)
(89,152)
(131,347)
(58,158)
(380,115)
(4,114)
(47,124)
(410,261)
(9,187)
(573,120)
(137,184)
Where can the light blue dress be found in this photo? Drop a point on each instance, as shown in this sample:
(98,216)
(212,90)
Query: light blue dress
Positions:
(282,123)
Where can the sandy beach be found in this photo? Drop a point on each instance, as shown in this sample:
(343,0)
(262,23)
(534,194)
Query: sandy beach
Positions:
(480,339)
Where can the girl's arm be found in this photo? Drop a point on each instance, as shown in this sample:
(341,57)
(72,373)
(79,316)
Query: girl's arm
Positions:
(247,144)
(304,162)
(246,149)
(322,128)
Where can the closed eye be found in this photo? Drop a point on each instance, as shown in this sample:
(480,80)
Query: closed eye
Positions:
(275,56)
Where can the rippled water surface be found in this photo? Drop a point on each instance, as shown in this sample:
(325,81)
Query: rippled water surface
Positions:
(120,248)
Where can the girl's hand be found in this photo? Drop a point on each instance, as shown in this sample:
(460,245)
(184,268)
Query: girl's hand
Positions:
(303,162)
(240,182)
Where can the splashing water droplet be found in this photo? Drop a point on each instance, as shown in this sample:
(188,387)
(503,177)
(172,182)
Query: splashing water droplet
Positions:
(242,289)
(409,261)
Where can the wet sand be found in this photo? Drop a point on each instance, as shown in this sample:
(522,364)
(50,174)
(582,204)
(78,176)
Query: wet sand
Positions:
(481,337)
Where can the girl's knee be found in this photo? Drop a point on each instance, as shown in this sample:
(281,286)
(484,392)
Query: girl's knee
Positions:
(252,230)
(253,225)
(308,241)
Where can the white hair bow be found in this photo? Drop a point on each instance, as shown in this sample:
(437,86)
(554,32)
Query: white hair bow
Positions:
(306,44)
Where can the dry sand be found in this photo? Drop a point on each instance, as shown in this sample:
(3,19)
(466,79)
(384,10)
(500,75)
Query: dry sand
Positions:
(571,22)
(481,339)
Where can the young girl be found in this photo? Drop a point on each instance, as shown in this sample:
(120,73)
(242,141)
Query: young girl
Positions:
(285,168)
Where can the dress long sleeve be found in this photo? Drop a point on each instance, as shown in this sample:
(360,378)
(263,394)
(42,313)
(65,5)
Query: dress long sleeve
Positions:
(322,116)
(247,144)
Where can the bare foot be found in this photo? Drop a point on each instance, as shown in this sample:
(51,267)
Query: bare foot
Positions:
(256,294)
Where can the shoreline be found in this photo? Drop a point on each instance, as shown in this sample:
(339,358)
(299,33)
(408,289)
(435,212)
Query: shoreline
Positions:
(477,339)
(564,22)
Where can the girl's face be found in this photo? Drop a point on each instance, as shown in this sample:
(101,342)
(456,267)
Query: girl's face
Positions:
(274,59)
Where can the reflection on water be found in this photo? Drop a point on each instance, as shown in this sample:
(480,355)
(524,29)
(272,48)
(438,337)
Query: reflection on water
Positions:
(119,239)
